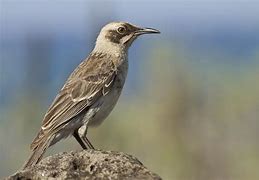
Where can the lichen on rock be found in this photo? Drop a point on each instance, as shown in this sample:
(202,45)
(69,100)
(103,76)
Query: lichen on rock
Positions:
(87,164)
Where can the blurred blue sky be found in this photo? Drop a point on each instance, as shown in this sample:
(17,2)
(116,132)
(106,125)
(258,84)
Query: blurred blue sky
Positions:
(66,30)
(197,16)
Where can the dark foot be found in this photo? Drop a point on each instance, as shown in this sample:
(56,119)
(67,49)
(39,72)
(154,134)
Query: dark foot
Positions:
(89,144)
(79,140)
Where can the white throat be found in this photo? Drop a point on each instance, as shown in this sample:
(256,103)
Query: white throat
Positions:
(104,46)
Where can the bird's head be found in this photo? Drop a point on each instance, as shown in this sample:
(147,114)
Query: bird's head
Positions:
(118,36)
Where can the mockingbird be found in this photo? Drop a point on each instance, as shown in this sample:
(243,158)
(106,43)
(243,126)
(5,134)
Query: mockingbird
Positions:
(91,91)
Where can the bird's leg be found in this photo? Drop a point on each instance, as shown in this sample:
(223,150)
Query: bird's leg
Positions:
(79,140)
(82,134)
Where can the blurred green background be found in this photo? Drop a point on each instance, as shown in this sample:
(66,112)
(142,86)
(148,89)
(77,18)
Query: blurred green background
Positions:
(190,106)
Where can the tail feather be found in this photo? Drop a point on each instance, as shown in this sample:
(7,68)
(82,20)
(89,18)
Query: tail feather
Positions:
(38,152)
(37,140)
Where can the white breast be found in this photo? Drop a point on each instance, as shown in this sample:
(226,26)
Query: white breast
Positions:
(102,108)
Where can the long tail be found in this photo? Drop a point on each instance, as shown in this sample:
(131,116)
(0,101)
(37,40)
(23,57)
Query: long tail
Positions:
(38,152)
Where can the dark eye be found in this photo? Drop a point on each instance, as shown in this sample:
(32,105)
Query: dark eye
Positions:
(121,30)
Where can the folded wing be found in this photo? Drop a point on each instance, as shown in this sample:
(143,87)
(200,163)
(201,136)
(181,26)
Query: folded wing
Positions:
(92,79)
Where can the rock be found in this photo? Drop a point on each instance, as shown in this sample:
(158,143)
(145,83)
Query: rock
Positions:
(87,164)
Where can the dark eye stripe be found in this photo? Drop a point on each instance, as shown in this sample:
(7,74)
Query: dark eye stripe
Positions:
(115,37)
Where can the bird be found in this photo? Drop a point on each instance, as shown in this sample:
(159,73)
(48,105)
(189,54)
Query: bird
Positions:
(90,92)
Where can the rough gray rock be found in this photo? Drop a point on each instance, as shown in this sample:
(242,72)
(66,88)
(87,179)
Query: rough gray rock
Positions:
(87,164)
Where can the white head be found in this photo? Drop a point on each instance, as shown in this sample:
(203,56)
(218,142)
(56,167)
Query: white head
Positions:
(118,36)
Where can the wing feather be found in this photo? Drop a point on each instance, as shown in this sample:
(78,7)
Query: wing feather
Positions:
(85,85)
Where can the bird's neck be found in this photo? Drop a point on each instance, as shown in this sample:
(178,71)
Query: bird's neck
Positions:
(109,48)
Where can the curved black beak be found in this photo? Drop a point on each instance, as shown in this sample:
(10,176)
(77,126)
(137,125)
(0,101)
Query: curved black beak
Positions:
(146,31)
